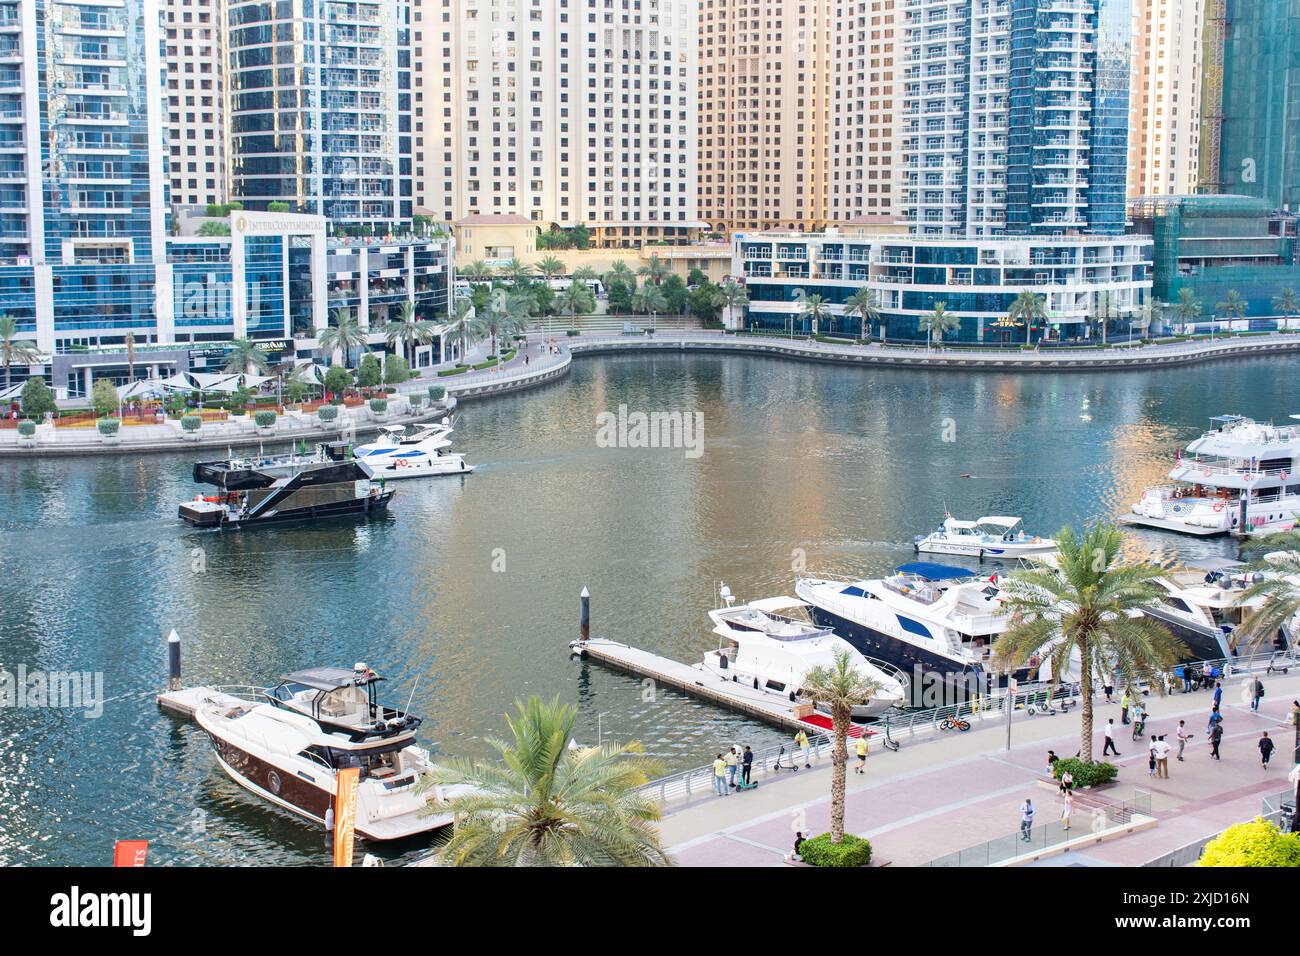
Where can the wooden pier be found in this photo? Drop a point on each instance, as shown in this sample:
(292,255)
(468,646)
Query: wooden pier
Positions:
(776,709)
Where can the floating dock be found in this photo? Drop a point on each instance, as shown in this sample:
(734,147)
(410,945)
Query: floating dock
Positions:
(697,682)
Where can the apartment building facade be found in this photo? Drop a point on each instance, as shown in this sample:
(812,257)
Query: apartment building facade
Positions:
(1165,97)
(193,59)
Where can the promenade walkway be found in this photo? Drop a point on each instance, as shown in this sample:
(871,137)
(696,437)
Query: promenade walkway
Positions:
(963,789)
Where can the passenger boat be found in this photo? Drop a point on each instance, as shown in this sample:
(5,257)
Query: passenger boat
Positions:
(419,451)
(289,487)
(1238,478)
(286,744)
(993,536)
(771,645)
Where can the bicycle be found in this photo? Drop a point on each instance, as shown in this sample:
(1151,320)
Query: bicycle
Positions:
(954,723)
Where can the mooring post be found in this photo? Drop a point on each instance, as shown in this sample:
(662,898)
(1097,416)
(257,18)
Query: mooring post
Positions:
(173,661)
(584,617)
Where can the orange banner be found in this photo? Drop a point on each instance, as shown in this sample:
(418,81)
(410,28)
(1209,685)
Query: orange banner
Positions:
(130,852)
(345,815)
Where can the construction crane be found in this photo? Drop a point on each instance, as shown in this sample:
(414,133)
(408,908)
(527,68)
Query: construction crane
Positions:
(1210,177)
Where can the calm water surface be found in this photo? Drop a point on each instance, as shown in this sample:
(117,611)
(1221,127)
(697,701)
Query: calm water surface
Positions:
(845,465)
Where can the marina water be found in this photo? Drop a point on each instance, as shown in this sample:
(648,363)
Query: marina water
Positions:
(466,595)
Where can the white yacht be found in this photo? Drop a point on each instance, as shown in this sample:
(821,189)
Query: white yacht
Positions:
(1204,607)
(925,619)
(286,744)
(418,452)
(771,645)
(1238,478)
(994,536)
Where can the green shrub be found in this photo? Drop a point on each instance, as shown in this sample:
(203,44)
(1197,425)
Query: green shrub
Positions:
(820,851)
(108,426)
(277,207)
(1258,843)
(264,419)
(396,370)
(436,393)
(368,372)
(415,399)
(1085,774)
(327,413)
(191,423)
(37,399)
(488,364)
(573,332)
(103,398)
(379,405)
(26,428)
(453,371)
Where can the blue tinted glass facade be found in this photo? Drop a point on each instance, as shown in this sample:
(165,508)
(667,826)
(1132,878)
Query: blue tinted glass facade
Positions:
(1108,171)
(264,265)
(93,297)
(201,291)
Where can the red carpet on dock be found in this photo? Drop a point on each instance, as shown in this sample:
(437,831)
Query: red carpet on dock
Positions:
(822,722)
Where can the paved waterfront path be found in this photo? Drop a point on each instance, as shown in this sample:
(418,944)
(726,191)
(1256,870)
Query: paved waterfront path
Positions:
(938,797)
(1051,359)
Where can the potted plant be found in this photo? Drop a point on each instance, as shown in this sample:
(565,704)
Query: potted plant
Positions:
(415,400)
(108,428)
(436,393)
(264,419)
(190,425)
(327,413)
(379,408)
(27,433)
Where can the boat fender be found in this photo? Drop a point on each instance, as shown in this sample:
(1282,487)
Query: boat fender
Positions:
(792,697)
(755,683)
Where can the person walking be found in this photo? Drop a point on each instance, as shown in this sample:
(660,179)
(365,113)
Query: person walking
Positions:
(1051,763)
(733,763)
(1125,701)
(1109,731)
(1151,757)
(1256,694)
(1183,737)
(1067,808)
(1026,820)
(1215,719)
(862,755)
(1218,693)
(748,761)
(1162,757)
(1109,687)
(720,777)
(1067,782)
(801,741)
(1216,737)
(1265,749)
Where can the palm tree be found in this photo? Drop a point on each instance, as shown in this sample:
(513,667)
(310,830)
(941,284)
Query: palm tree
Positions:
(1287,302)
(655,270)
(840,686)
(514,270)
(649,301)
(1085,608)
(466,325)
(1028,307)
(865,305)
(550,268)
(575,299)
(584,274)
(130,356)
(620,270)
(245,356)
(938,323)
(548,804)
(734,297)
(344,335)
(476,271)
(1103,310)
(1233,306)
(409,329)
(14,351)
(814,309)
(1188,307)
(1279,590)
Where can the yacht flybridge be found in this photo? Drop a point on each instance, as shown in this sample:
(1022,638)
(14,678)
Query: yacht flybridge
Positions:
(415,452)
(771,645)
(994,536)
(926,618)
(1238,478)
(1203,607)
(286,744)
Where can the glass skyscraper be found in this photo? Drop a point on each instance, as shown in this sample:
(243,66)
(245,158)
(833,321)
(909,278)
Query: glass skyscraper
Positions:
(1015,116)
(320,98)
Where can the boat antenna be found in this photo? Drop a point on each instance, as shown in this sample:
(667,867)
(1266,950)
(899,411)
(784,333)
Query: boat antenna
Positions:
(407,709)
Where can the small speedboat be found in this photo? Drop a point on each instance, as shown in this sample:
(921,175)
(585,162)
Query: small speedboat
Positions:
(993,536)
(771,645)
(287,743)
(419,451)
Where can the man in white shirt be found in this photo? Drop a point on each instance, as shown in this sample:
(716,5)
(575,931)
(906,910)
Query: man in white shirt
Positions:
(1183,737)
(1162,749)
(1109,731)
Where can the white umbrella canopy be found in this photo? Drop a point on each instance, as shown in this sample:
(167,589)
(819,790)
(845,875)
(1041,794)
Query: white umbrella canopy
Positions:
(210,382)
(139,389)
(12,392)
(309,372)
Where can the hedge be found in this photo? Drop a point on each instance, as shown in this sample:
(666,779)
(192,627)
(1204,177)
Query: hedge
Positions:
(379,405)
(436,393)
(27,428)
(191,423)
(1259,843)
(108,426)
(453,371)
(1085,774)
(264,419)
(573,332)
(488,364)
(327,413)
(820,851)
(415,399)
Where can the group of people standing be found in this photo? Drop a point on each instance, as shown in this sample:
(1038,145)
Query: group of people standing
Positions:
(727,766)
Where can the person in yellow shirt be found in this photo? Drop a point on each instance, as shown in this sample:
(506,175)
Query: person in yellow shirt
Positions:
(801,741)
(862,754)
(720,777)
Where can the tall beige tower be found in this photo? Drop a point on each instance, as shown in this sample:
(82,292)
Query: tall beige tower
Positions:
(1165,97)
(575,112)
(193,58)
